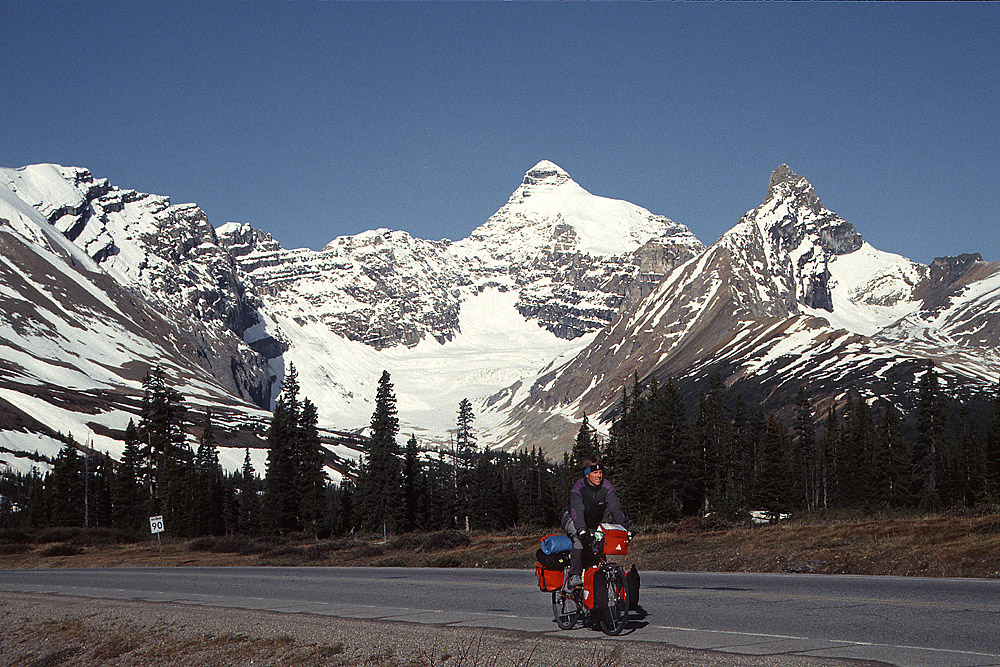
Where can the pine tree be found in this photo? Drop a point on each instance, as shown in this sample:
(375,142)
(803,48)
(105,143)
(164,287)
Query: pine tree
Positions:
(209,491)
(675,463)
(744,446)
(39,506)
(774,489)
(583,447)
(829,473)
(66,484)
(128,503)
(311,473)
(411,485)
(249,500)
(900,454)
(281,502)
(884,477)
(930,440)
(805,448)
(992,455)
(380,482)
(464,461)
(713,434)
(166,456)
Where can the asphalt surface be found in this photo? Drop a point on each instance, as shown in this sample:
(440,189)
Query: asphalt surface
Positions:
(896,620)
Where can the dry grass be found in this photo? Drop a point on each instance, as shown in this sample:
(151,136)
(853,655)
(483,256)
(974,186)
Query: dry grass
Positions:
(933,545)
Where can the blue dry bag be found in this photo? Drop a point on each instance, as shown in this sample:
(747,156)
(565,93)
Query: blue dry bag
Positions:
(555,544)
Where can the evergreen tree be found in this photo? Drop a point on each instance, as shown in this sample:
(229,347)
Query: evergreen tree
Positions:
(66,484)
(166,456)
(127,500)
(744,447)
(380,482)
(583,447)
(991,470)
(464,462)
(674,463)
(281,501)
(209,488)
(829,473)
(884,478)
(713,432)
(901,473)
(311,473)
(930,440)
(412,480)
(345,510)
(249,501)
(774,488)
(39,505)
(806,451)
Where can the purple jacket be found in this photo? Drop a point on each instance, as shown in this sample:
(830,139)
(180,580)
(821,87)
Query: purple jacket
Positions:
(588,502)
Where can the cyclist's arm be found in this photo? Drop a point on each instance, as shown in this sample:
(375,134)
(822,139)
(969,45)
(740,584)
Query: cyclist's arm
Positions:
(615,507)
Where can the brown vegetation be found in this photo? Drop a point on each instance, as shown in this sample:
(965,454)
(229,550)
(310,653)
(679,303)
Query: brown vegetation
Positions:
(948,545)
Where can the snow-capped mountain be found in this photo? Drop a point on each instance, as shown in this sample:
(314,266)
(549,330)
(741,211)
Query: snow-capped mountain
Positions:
(449,320)
(541,316)
(791,295)
(453,320)
(77,343)
(168,253)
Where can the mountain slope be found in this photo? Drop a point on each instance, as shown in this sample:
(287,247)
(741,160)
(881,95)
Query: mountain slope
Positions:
(77,345)
(791,295)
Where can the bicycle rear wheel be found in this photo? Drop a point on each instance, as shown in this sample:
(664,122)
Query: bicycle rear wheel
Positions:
(614,617)
(566,609)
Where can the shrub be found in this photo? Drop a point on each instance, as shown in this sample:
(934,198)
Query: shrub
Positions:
(392,561)
(446,560)
(89,537)
(229,544)
(447,539)
(13,549)
(64,549)
(13,537)
(702,524)
(57,534)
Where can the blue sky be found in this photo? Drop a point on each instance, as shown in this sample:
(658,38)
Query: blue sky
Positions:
(315,120)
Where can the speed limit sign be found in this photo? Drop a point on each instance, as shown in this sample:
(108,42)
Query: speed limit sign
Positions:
(155,524)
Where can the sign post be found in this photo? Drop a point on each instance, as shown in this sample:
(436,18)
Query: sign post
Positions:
(156,527)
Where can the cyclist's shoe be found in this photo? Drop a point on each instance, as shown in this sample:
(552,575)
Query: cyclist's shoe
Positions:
(574,581)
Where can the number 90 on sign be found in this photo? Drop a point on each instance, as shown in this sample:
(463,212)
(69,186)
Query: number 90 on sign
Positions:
(155,524)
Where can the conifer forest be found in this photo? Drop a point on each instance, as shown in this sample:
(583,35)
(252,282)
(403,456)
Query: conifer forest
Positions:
(668,460)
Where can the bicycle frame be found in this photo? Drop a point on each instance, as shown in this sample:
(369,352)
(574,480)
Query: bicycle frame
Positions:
(568,605)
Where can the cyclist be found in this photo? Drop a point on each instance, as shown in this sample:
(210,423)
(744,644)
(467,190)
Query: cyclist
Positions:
(588,499)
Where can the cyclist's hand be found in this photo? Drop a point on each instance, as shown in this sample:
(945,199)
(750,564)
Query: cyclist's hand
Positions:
(630,536)
(583,534)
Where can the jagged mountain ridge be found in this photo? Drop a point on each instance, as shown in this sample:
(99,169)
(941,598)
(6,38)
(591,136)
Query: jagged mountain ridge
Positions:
(591,290)
(572,269)
(241,303)
(77,345)
(791,295)
(168,253)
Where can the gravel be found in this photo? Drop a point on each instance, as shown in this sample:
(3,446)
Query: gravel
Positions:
(56,631)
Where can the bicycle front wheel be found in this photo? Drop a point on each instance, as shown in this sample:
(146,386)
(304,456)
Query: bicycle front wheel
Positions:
(614,617)
(566,609)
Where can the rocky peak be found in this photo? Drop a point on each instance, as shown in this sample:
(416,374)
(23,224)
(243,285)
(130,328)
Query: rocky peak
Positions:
(242,239)
(546,173)
(544,176)
(945,274)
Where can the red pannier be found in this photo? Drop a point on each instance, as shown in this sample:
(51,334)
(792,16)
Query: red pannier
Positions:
(615,539)
(548,580)
(595,588)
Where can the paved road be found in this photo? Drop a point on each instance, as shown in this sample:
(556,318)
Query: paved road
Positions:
(902,621)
